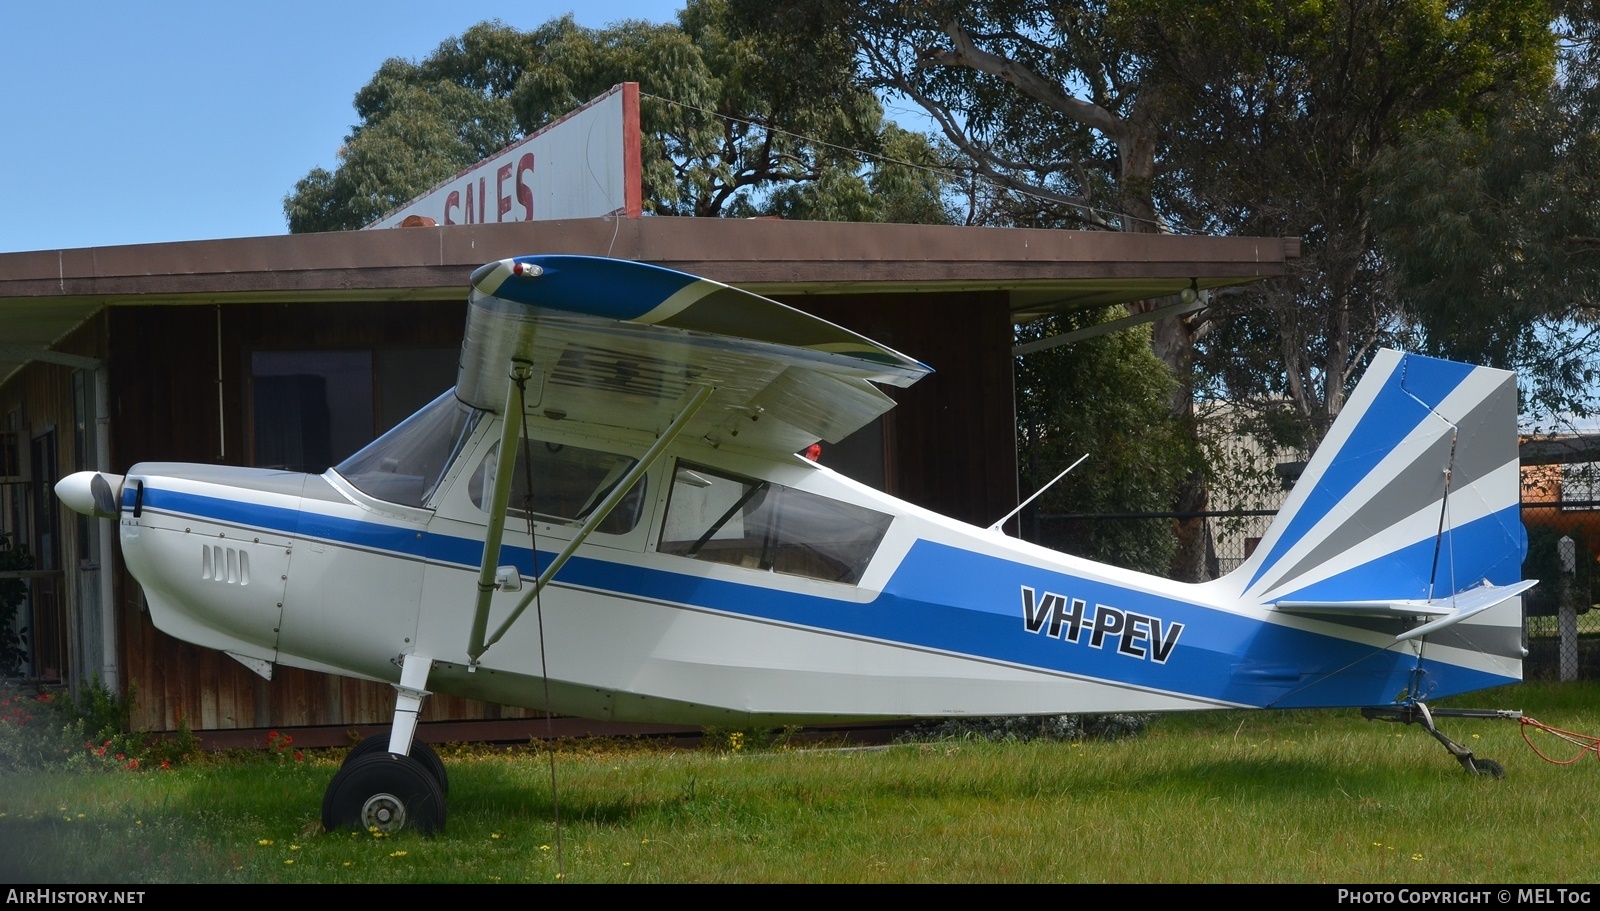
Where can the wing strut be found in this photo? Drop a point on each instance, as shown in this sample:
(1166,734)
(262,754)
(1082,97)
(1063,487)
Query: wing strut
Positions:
(478,644)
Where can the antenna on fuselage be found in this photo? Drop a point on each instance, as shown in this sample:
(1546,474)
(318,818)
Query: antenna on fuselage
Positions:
(1007,517)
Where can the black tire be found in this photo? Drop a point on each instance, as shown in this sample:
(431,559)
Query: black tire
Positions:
(421,752)
(385,791)
(1488,768)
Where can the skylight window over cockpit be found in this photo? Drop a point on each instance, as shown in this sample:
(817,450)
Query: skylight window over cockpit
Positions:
(569,483)
(404,465)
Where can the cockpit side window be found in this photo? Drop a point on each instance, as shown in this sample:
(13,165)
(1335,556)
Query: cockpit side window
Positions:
(569,482)
(404,465)
(761,525)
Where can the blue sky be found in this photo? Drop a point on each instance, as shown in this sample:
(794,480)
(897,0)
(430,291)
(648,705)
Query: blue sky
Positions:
(125,123)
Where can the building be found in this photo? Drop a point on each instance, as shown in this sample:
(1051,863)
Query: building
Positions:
(295,350)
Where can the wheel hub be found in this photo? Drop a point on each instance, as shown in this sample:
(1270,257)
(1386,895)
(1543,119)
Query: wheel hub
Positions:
(384,812)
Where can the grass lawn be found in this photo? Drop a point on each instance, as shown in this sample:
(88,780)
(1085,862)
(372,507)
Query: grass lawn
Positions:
(1205,797)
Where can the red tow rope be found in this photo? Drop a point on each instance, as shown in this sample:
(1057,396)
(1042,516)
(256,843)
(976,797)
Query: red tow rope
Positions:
(1583,742)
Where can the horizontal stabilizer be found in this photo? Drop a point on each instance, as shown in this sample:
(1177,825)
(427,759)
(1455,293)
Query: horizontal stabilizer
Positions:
(1470,603)
(1446,611)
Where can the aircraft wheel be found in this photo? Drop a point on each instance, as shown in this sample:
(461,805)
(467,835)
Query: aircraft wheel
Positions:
(384,791)
(1489,768)
(421,752)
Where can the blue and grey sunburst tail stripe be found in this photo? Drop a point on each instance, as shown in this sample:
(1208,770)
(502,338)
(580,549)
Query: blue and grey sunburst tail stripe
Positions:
(1431,446)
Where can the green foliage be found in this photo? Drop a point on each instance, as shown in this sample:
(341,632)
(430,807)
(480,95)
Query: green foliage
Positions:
(1250,117)
(1043,102)
(48,730)
(420,123)
(721,113)
(39,731)
(887,192)
(751,739)
(1494,230)
(1544,563)
(1281,796)
(1108,397)
(1024,728)
(1282,116)
(14,557)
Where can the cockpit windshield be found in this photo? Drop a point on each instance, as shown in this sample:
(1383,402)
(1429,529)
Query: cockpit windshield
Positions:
(404,465)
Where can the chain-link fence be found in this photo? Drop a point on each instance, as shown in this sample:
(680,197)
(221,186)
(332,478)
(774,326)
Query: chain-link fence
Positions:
(1567,577)
(1232,537)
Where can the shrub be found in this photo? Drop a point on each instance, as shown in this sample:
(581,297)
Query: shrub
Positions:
(13,645)
(1029,727)
(48,730)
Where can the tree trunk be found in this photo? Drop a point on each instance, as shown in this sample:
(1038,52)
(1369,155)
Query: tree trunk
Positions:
(1172,339)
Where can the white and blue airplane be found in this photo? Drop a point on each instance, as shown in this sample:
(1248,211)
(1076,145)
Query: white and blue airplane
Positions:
(619,455)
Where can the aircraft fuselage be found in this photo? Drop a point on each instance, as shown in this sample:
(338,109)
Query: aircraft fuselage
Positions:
(919,615)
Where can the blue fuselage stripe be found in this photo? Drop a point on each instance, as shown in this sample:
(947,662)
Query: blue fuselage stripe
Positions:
(953,600)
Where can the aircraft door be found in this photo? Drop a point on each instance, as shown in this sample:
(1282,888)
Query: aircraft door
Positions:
(351,606)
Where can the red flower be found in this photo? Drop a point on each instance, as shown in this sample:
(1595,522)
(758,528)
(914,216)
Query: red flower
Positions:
(297,756)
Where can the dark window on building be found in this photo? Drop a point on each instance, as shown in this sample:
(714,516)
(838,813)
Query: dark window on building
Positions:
(313,409)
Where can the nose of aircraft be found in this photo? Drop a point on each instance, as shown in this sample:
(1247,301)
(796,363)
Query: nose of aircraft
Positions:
(93,493)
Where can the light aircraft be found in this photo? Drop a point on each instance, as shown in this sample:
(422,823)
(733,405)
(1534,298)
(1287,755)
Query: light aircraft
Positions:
(620,454)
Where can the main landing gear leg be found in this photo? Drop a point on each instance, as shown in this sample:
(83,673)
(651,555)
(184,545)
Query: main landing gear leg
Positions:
(1419,713)
(393,782)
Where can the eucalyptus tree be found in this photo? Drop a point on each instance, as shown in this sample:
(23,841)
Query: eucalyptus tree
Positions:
(1494,229)
(1295,113)
(729,118)
(1266,117)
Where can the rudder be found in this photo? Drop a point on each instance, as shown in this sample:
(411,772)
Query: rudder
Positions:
(1413,494)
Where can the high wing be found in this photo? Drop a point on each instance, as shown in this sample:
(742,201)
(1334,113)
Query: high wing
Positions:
(624,344)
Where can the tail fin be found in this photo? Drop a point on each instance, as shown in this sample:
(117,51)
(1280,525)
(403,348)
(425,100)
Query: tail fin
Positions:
(1413,496)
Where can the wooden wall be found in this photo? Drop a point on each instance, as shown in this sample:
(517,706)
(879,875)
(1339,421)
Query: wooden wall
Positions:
(953,435)
(165,361)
